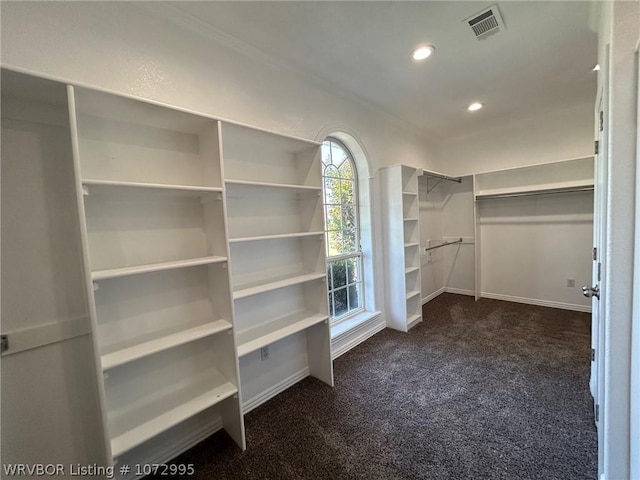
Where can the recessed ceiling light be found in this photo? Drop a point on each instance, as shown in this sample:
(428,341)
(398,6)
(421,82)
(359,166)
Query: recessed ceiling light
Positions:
(474,106)
(596,68)
(422,52)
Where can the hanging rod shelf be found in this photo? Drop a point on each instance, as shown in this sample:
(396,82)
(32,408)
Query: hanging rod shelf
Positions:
(443,245)
(439,177)
(548,191)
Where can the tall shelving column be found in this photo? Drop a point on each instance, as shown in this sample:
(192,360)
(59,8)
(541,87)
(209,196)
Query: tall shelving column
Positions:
(399,186)
(278,264)
(151,204)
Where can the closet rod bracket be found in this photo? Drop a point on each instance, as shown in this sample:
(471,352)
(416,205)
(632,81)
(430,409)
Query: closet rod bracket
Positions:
(426,249)
(439,178)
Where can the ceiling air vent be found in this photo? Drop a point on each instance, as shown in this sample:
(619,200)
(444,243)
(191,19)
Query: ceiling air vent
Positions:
(486,23)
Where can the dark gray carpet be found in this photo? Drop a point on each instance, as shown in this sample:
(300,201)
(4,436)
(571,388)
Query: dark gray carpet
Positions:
(479,390)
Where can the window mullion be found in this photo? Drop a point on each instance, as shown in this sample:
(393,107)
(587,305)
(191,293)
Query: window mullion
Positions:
(344,256)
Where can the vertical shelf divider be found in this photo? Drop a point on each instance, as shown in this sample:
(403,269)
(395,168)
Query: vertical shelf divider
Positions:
(73,125)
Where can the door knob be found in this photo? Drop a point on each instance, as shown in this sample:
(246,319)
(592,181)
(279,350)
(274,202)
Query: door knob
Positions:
(589,292)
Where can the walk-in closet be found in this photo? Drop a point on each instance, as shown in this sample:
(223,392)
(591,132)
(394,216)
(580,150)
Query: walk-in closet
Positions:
(319,240)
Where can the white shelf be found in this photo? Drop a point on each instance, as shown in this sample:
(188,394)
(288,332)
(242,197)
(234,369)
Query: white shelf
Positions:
(411,219)
(255,338)
(413,194)
(274,285)
(126,139)
(260,238)
(413,244)
(181,189)
(154,267)
(286,186)
(411,269)
(136,352)
(183,410)
(576,173)
(412,294)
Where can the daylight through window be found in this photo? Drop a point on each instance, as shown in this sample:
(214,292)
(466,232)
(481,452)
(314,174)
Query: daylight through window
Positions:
(344,256)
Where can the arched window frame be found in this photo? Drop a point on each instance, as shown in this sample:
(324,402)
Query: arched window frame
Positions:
(345,263)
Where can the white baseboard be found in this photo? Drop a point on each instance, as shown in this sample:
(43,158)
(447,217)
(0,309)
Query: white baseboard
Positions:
(274,390)
(460,291)
(433,295)
(535,301)
(345,341)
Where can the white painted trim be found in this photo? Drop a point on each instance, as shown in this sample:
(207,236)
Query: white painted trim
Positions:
(634,423)
(46,334)
(538,302)
(457,291)
(433,295)
(178,446)
(460,291)
(353,337)
(345,327)
(274,390)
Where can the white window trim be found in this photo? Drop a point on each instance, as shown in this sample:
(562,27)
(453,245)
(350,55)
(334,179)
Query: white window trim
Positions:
(370,235)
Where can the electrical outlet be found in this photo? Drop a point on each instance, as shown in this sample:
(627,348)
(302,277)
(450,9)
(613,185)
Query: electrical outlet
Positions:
(571,282)
(264,353)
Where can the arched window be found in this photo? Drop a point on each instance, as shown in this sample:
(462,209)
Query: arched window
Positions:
(342,230)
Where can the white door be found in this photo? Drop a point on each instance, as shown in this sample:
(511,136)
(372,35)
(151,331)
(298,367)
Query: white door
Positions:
(597,287)
(635,340)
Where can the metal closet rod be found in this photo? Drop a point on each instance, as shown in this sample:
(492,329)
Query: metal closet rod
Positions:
(535,193)
(442,177)
(443,244)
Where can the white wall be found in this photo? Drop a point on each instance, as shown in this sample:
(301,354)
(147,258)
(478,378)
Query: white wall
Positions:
(557,135)
(124,47)
(531,246)
(430,212)
(446,214)
(49,390)
(458,222)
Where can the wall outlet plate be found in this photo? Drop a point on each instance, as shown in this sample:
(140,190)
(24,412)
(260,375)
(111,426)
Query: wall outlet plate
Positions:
(264,353)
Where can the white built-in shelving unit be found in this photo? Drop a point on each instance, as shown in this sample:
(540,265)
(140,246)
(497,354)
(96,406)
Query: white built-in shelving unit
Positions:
(399,187)
(183,270)
(276,228)
(152,219)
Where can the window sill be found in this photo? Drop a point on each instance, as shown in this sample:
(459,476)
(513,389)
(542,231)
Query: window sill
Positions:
(345,326)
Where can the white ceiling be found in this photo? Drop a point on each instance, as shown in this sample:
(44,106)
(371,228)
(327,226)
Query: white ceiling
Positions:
(541,62)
